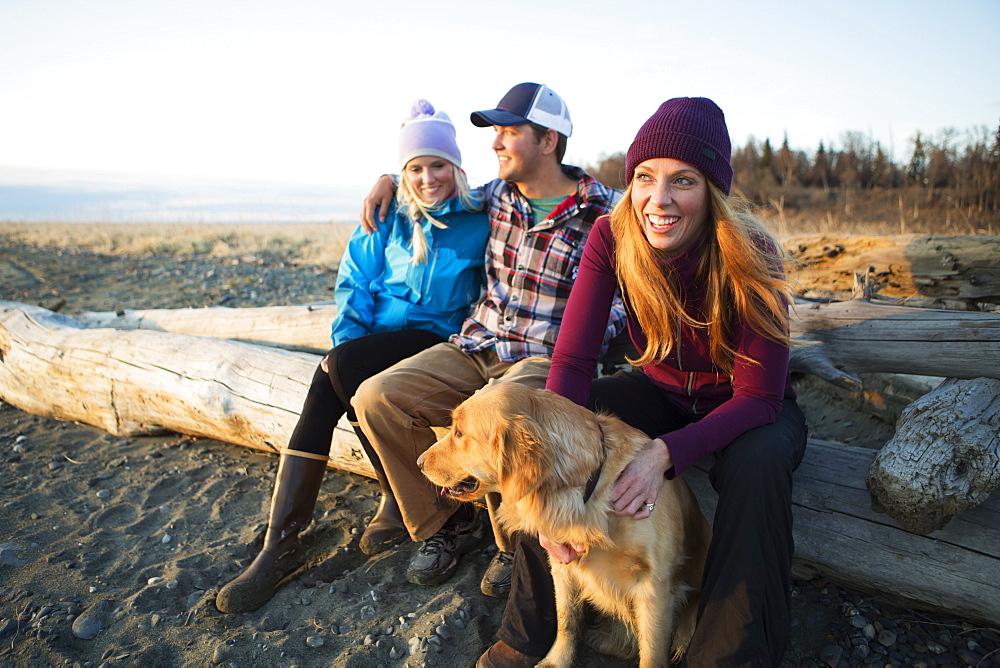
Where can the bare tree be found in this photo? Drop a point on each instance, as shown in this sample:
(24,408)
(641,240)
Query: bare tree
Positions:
(609,170)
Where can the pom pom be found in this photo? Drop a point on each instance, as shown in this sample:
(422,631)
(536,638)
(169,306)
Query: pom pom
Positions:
(421,108)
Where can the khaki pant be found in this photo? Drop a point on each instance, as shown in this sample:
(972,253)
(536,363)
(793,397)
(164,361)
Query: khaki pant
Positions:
(398,407)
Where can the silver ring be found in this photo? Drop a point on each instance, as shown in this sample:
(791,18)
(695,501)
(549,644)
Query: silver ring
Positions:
(650,506)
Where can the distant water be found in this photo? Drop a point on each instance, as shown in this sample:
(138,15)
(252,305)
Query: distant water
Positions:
(198,203)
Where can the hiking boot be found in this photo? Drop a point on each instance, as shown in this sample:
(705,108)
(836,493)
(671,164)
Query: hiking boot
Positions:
(437,557)
(496,580)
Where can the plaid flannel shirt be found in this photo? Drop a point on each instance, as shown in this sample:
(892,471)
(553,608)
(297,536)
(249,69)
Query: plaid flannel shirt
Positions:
(530,269)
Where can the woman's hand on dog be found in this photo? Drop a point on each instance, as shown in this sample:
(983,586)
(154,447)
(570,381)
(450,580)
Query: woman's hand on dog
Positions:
(639,484)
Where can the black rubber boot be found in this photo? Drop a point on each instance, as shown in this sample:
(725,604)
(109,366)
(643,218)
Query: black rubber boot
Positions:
(386,528)
(295,490)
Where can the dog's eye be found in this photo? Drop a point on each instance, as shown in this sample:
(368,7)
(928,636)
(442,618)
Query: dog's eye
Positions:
(456,432)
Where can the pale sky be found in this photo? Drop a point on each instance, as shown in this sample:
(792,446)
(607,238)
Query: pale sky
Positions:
(312,92)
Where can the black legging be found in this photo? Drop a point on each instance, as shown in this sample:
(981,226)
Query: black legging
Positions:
(351,363)
(746,589)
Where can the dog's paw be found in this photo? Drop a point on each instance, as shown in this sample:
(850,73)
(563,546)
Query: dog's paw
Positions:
(545,663)
(560,656)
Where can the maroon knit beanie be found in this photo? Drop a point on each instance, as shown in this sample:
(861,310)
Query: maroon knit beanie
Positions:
(691,129)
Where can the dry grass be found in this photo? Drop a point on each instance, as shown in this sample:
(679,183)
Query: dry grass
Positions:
(873,213)
(302,243)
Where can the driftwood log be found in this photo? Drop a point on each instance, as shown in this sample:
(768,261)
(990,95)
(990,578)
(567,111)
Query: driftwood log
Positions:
(944,457)
(847,338)
(305,328)
(141,382)
(136,382)
(955,271)
(839,536)
(841,341)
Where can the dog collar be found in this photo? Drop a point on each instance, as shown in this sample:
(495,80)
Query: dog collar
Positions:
(596,475)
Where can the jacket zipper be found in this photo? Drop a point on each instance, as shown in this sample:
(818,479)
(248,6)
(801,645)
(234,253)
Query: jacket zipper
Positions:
(690,374)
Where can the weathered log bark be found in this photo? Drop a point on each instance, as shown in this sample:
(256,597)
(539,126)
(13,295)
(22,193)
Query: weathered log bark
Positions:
(944,457)
(305,328)
(955,570)
(134,382)
(141,382)
(856,336)
(959,269)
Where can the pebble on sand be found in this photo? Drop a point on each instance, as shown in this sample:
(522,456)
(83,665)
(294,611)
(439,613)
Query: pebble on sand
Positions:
(89,623)
(8,554)
(86,627)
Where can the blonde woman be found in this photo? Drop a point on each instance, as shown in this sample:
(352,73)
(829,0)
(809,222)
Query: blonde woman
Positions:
(707,308)
(400,290)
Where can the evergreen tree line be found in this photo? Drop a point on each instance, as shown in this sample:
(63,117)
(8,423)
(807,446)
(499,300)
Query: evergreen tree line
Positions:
(964,171)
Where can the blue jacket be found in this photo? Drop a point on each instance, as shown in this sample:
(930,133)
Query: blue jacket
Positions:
(379,289)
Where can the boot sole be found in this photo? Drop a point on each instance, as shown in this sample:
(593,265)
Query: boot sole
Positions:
(436,578)
(252,593)
(431,579)
(494,591)
(371,548)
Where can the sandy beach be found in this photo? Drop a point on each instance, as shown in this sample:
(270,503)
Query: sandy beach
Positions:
(112,549)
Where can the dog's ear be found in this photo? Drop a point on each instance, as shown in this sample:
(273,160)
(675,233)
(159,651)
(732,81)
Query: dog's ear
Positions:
(523,461)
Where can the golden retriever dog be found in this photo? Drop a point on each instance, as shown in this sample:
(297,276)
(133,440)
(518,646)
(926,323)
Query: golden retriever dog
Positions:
(541,451)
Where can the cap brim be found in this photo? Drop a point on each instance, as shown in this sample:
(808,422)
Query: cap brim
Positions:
(485,119)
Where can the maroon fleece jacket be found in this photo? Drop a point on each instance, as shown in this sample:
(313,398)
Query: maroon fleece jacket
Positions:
(722,406)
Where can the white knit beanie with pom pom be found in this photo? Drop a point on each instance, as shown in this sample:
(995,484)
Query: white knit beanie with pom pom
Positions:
(427,132)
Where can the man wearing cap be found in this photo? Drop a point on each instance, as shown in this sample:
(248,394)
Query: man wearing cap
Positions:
(541,212)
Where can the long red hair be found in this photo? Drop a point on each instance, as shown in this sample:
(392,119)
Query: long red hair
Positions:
(740,267)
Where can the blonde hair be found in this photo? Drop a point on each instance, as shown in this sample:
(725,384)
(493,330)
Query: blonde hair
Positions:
(416,210)
(739,265)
